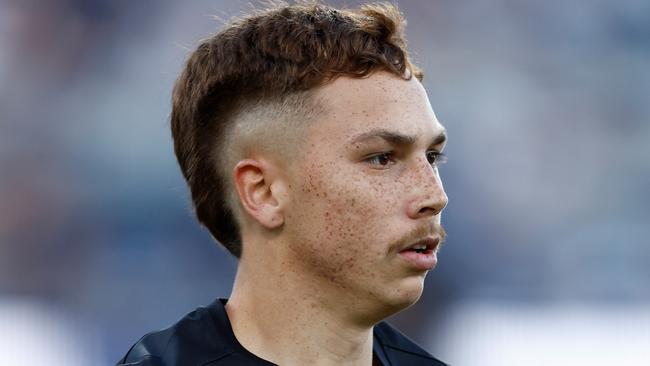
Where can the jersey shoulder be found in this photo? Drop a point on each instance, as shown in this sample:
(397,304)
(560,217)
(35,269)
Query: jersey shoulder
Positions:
(401,350)
(193,340)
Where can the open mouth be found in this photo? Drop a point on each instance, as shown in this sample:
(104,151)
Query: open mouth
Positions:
(425,246)
(421,255)
(424,250)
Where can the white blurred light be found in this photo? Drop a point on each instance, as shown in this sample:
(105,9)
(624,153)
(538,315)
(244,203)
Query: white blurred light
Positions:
(503,334)
(33,334)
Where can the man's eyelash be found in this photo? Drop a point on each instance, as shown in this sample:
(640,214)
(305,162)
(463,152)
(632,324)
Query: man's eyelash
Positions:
(434,158)
(438,157)
(387,156)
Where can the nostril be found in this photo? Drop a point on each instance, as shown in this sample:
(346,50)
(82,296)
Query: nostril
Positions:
(427,211)
(426,207)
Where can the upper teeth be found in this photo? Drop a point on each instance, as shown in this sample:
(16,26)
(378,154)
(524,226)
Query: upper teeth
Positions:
(420,247)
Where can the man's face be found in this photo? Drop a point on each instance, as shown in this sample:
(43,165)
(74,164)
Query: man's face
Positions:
(364,188)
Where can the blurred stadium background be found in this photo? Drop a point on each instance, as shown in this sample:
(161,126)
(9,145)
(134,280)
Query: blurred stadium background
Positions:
(547,106)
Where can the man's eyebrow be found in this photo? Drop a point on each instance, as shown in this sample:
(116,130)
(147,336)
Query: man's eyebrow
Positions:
(395,137)
(440,138)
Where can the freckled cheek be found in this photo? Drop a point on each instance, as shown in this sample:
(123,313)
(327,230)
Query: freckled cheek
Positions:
(332,208)
(346,206)
(358,220)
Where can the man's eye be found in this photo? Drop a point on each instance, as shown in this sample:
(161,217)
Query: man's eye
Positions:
(383,159)
(436,158)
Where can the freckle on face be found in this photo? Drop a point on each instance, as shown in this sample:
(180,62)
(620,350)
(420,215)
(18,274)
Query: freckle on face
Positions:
(344,219)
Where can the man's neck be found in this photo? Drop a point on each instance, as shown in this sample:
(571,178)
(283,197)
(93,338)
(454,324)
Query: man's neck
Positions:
(279,318)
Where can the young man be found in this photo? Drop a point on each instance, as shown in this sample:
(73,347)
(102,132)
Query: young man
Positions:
(311,152)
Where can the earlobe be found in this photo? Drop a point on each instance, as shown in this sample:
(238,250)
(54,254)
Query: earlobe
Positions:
(253,183)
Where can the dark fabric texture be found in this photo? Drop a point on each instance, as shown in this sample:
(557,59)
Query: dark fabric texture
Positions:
(205,337)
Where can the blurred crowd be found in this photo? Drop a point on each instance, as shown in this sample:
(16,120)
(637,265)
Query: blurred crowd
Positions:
(546,104)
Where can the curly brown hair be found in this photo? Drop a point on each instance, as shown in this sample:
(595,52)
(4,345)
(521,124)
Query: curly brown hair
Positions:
(267,57)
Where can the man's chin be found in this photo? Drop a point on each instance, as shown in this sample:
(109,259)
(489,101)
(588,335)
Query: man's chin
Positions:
(401,297)
(410,292)
(379,304)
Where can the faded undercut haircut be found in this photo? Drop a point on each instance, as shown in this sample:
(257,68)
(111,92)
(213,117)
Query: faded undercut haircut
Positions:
(253,81)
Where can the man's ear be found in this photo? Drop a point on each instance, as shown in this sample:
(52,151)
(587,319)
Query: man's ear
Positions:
(256,183)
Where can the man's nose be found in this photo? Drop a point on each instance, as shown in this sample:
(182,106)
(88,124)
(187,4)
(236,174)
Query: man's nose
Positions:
(428,195)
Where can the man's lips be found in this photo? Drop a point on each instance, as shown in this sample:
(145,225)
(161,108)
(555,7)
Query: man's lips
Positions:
(431,243)
(422,254)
